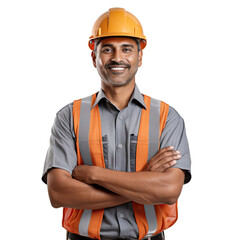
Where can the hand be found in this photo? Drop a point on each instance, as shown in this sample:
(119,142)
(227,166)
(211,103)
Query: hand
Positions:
(83,173)
(163,160)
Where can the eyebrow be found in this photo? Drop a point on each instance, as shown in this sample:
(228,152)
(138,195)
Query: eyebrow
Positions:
(123,45)
(128,45)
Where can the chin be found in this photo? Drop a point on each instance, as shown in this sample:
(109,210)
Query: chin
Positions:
(119,83)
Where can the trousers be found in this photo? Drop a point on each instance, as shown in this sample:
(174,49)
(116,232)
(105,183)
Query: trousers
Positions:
(71,236)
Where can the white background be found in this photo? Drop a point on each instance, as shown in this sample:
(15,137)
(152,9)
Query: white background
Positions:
(192,62)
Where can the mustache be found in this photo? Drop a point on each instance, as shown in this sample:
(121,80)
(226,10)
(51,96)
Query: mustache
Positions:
(114,63)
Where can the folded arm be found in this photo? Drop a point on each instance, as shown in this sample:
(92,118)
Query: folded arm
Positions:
(64,191)
(142,187)
(156,184)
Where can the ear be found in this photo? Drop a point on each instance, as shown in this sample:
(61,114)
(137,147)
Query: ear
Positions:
(140,55)
(93,55)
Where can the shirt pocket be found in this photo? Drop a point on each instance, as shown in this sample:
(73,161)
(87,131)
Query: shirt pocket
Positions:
(133,147)
(105,149)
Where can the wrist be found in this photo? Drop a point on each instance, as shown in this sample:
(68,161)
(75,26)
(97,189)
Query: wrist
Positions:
(94,174)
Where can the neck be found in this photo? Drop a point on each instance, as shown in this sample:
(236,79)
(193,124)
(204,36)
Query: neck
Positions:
(119,96)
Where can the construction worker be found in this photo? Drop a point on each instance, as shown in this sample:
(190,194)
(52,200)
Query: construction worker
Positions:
(118,159)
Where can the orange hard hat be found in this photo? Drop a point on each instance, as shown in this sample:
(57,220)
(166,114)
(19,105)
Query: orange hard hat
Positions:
(117,22)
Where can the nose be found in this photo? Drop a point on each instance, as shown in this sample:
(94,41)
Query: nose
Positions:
(117,56)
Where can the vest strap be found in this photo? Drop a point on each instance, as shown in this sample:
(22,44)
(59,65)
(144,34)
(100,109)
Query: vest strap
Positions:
(151,219)
(87,127)
(83,134)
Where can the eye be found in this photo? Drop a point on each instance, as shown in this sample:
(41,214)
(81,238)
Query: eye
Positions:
(106,50)
(127,50)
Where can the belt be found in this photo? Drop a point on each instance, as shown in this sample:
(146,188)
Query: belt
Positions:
(71,236)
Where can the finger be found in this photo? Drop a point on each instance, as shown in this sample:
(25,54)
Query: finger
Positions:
(165,157)
(166,149)
(168,153)
(152,166)
(165,160)
(169,158)
(163,167)
(168,165)
(161,151)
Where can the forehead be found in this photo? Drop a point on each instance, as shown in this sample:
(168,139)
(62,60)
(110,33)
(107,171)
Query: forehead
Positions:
(118,41)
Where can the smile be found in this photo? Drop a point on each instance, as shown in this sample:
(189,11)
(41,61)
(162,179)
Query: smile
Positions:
(117,68)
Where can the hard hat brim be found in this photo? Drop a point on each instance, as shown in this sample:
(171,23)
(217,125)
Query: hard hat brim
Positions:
(91,42)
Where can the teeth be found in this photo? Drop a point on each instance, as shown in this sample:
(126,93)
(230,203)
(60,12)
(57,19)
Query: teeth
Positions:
(119,68)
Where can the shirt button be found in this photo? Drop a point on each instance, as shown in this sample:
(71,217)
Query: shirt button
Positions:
(121,215)
(120,145)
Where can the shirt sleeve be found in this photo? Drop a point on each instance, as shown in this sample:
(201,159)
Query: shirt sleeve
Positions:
(174,134)
(62,150)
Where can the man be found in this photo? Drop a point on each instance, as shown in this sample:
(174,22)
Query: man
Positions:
(117,159)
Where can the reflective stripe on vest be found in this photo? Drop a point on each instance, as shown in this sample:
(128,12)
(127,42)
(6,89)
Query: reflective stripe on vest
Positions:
(151,219)
(87,127)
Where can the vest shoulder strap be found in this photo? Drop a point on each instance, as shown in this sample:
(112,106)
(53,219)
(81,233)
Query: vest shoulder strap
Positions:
(87,127)
(152,123)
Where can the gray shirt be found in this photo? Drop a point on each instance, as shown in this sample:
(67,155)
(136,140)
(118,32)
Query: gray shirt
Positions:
(119,135)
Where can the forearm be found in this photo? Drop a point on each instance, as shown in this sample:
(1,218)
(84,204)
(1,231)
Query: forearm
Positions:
(68,192)
(142,187)
(139,186)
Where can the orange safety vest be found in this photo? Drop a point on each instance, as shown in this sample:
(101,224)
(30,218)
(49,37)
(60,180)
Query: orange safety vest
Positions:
(150,219)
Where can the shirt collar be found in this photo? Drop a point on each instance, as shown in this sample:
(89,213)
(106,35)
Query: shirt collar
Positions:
(135,96)
(138,97)
(100,96)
